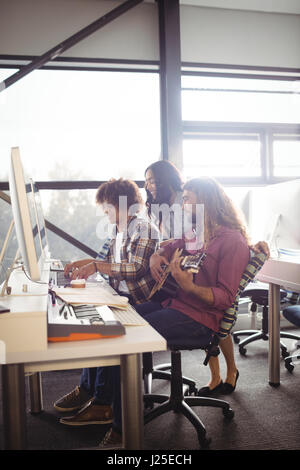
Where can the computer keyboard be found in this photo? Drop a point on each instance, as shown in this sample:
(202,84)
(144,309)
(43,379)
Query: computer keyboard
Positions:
(86,312)
(128,317)
(61,279)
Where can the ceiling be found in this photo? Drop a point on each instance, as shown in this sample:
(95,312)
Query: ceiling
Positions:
(274,6)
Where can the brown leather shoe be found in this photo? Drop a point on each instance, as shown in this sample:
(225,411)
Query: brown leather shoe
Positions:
(72,401)
(90,414)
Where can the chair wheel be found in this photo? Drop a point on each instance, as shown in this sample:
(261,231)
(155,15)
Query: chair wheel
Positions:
(242,350)
(204,442)
(236,339)
(228,413)
(284,353)
(289,366)
(192,390)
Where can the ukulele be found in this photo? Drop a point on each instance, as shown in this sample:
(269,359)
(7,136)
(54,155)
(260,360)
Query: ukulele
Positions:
(167,286)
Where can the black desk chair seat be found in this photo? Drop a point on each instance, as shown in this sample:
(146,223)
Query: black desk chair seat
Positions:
(259,295)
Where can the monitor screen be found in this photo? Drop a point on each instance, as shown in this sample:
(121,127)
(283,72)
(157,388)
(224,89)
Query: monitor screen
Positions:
(8,253)
(24,216)
(275,215)
(39,214)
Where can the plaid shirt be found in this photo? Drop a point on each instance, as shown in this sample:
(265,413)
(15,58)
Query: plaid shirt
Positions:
(138,244)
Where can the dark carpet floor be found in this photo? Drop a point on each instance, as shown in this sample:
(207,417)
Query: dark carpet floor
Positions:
(266,418)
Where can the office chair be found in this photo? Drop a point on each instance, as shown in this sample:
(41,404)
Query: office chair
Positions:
(259,295)
(179,401)
(292,314)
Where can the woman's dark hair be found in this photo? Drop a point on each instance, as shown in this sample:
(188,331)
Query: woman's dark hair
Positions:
(167,180)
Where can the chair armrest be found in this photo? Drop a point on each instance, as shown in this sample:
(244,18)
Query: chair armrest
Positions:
(212,349)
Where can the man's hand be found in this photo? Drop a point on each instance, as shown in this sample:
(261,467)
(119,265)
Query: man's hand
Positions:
(261,247)
(156,262)
(183,278)
(83,272)
(76,265)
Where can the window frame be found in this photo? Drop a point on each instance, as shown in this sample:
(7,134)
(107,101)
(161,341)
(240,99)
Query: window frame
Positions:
(239,130)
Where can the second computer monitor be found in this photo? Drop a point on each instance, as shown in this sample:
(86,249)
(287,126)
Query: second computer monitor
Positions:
(40,219)
(24,217)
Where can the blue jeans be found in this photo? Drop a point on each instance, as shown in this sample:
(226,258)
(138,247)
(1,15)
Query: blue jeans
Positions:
(174,326)
(292,314)
(97,382)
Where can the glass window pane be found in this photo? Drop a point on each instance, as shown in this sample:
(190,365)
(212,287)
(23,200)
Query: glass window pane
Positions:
(81,124)
(240,100)
(286,156)
(77,213)
(221,158)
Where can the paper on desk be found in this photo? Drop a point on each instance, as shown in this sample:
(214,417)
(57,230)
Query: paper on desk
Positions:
(91,295)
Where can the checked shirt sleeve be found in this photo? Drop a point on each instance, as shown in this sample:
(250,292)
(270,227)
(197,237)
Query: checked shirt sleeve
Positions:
(138,253)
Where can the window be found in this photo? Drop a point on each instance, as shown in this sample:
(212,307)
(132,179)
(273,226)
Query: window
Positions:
(82,125)
(240,100)
(286,157)
(230,129)
(79,125)
(222,156)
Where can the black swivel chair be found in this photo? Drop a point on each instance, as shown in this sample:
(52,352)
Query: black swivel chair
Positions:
(292,314)
(179,401)
(259,295)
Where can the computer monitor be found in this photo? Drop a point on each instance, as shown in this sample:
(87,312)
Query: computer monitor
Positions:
(24,217)
(8,254)
(275,215)
(40,219)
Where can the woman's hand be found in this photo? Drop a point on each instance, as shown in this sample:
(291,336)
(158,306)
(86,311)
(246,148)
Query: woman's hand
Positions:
(261,247)
(156,262)
(183,278)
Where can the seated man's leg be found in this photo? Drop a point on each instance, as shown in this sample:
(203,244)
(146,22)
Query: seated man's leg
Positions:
(88,379)
(177,329)
(81,395)
(98,410)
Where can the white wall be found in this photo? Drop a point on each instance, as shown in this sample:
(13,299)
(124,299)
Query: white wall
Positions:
(240,37)
(31,27)
(213,35)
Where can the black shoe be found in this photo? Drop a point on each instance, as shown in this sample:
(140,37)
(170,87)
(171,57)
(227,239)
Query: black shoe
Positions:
(228,388)
(207,392)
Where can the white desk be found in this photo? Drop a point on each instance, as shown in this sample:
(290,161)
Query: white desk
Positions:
(24,348)
(277,272)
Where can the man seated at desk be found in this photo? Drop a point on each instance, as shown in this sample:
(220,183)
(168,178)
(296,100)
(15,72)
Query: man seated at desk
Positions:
(127,265)
(201,299)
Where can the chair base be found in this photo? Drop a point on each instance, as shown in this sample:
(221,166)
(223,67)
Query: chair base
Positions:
(254,335)
(288,361)
(179,403)
(161,372)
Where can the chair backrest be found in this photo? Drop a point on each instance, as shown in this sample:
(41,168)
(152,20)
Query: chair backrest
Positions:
(230,315)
